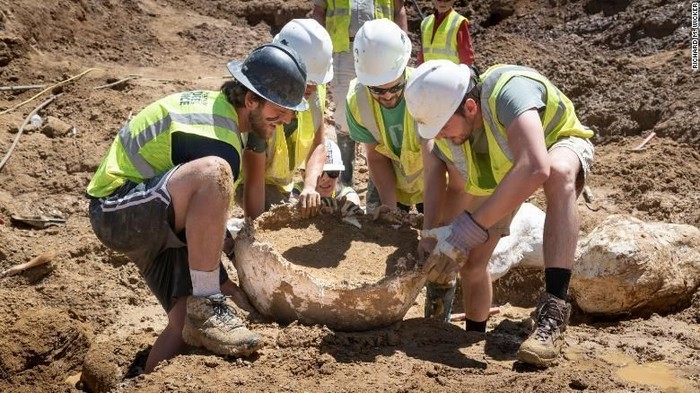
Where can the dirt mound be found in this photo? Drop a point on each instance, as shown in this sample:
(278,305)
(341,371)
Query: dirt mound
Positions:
(625,64)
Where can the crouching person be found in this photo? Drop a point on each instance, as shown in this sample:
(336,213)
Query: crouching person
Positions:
(506,134)
(163,192)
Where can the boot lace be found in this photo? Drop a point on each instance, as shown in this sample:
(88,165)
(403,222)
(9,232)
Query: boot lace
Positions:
(550,318)
(224,312)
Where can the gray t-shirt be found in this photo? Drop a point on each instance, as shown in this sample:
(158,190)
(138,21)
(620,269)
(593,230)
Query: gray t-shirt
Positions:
(517,96)
(361,11)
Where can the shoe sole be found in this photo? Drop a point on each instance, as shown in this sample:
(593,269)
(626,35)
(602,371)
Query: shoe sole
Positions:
(243,350)
(532,358)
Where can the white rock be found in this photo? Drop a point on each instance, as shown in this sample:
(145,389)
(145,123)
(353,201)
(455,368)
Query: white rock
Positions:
(628,266)
(523,246)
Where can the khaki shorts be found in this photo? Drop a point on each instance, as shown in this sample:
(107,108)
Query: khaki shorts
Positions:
(584,150)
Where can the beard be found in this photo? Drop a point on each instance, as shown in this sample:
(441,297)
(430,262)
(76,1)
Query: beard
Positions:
(258,126)
(391,103)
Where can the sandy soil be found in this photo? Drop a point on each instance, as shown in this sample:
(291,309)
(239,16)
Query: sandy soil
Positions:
(625,64)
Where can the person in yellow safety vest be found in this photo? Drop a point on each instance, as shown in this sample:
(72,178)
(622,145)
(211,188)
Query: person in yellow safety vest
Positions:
(504,135)
(377,116)
(342,19)
(335,196)
(163,192)
(445,35)
(272,163)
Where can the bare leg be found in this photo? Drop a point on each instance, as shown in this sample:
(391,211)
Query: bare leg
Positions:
(201,191)
(169,343)
(476,281)
(561,225)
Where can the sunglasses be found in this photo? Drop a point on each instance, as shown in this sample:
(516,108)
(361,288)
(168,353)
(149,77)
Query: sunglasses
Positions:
(332,174)
(393,89)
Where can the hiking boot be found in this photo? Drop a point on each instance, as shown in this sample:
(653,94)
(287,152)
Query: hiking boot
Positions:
(213,324)
(544,344)
(438,300)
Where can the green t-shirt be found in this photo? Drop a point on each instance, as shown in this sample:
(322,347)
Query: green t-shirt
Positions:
(393,123)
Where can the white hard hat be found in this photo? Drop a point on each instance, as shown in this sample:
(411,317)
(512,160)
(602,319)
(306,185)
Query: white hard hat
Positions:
(312,42)
(381,51)
(433,93)
(334,162)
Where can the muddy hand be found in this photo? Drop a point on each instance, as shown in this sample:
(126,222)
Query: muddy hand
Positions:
(380,211)
(440,269)
(309,203)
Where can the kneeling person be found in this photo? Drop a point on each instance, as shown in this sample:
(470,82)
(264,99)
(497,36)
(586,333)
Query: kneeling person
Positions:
(163,192)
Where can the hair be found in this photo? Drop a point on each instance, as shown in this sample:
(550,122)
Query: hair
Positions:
(235,92)
(474,93)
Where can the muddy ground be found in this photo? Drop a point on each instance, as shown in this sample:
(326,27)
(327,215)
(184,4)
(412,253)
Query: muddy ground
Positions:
(625,64)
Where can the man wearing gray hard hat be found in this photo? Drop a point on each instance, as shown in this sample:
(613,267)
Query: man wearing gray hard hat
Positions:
(162,195)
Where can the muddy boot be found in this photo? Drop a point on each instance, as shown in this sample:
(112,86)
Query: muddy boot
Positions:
(438,300)
(544,344)
(214,325)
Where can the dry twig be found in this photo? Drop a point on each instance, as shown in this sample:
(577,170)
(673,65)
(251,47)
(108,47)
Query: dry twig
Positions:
(644,142)
(120,81)
(24,124)
(18,88)
(36,261)
(47,89)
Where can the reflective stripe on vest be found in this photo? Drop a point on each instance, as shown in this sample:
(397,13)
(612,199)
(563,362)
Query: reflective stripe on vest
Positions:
(443,44)
(142,148)
(338,20)
(279,169)
(408,166)
(559,120)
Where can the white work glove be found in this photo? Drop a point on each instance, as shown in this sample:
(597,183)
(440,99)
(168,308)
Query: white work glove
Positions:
(452,248)
(349,208)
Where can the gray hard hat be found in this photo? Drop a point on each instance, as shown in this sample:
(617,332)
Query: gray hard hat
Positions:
(274,72)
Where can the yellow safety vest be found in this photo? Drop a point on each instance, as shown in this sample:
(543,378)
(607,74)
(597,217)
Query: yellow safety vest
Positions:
(443,44)
(338,20)
(408,165)
(280,165)
(484,172)
(142,149)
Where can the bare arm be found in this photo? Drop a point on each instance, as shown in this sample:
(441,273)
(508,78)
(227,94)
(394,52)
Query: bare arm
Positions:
(382,174)
(319,14)
(530,169)
(253,183)
(310,199)
(315,159)
(434,191)
(400,17)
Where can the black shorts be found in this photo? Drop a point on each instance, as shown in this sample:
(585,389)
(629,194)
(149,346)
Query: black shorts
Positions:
(138,219)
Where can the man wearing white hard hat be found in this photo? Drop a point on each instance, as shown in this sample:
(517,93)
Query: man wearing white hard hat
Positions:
(504,135)
(343,19)
(271,163)
(377,116)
